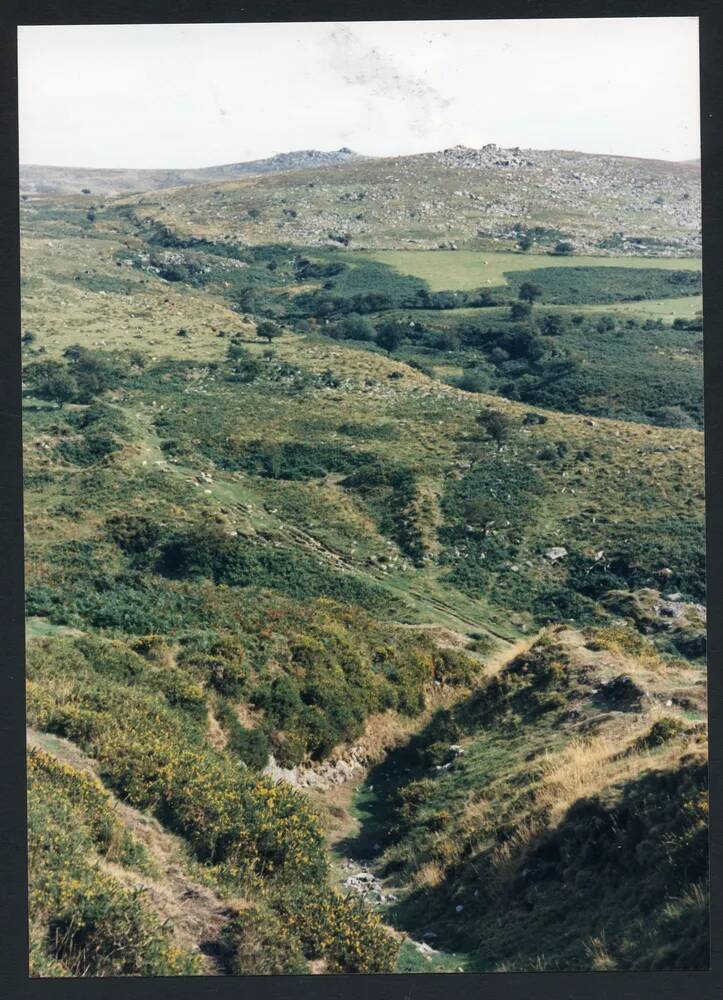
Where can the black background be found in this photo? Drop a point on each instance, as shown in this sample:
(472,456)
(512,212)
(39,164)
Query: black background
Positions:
(14,981)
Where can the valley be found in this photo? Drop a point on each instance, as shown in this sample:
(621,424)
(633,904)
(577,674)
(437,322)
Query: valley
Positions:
(359,566)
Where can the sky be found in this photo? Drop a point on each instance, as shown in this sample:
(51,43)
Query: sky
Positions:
(199,95)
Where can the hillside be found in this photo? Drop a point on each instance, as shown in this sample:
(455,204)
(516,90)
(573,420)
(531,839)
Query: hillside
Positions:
(36,179)
(565,771)
(464,198)
(389,579)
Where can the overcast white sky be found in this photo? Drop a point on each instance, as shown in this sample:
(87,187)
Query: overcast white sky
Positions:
(199,95)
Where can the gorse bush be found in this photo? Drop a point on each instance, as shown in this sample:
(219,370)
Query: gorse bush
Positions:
(338,929)
(252,832)
(259,942)
(219,662)
(334,683)
(156,757)
(282,934)
(87,921)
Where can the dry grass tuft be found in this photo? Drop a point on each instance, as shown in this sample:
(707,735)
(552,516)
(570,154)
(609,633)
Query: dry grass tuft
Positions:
(597,951)
(429,876)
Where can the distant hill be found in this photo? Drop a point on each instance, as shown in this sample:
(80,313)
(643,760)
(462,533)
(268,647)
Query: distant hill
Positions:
(35,179)
(453,199)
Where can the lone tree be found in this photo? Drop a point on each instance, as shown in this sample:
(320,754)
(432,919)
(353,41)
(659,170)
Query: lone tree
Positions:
(60,386)
(390,335)
(497,424)
(524,243)
(563,248)
(268,330)
(529,292)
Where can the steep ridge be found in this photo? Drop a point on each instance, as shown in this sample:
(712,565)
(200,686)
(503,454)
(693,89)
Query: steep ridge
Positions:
(576,774)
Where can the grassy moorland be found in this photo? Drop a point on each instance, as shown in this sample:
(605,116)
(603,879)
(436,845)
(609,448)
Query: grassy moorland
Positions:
(328,504)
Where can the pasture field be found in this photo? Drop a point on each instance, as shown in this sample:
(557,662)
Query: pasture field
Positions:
(468,269)
(685,307)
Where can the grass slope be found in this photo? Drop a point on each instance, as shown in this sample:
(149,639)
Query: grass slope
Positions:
(532,827)
(474,199)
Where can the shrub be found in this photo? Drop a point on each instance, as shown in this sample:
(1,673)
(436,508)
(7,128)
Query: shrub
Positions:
(354,328)
(672,416)
(338,929)
(473,382)
(498,425)
(59,385)
(94,371)
(251,745)
(134,533)
(520,310)
(92,448)
(223,670)
(528,292)
(660,732)
(244,368)
(258,942)
(390,335)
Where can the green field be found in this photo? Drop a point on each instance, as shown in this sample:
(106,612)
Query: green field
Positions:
(685,307)
(467,269)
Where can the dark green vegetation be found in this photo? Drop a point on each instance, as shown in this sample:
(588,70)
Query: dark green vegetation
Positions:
(593,285)
(600,365)
(316,498)
(603,365)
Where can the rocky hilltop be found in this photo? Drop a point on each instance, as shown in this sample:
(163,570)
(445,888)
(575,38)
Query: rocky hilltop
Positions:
(455,198)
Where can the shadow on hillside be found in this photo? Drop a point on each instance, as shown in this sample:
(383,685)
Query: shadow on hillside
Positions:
(375,802)
(629,873)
